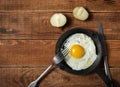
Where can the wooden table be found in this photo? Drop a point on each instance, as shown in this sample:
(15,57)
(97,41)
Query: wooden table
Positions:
(27,40)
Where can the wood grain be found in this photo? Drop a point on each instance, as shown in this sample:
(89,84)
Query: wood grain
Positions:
(103,5)
(60,5)
(34,53)
(26,52)
(36,25)
(21,77)
(57,5)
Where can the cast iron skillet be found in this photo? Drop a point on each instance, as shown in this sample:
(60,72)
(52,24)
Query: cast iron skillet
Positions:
(95,66)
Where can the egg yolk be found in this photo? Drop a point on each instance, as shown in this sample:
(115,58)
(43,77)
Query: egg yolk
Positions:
(77,51)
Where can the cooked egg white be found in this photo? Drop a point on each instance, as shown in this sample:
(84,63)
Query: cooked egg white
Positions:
(82,51)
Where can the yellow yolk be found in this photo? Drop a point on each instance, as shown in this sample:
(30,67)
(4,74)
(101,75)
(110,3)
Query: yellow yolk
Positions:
(77,51)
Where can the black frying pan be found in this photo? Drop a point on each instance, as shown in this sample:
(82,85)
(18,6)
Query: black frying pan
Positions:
(95,65)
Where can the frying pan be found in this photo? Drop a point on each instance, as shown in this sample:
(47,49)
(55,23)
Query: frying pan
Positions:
(95,66)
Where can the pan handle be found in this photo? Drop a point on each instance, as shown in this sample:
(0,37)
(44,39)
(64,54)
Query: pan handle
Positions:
(105,78)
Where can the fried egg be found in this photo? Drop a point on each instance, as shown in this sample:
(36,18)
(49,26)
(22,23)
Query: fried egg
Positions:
(82,51)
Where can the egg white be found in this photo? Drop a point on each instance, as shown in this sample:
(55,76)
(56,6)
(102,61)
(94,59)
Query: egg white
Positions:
(90,51)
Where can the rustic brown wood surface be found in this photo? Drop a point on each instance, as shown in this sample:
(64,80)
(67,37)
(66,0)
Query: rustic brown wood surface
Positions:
(32,52)
(27,40)
(21,77)
(36,25)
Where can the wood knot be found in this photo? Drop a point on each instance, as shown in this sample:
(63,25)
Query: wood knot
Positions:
(109,1)
(7,31)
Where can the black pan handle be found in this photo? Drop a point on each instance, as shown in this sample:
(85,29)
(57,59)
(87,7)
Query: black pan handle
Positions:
(105,78)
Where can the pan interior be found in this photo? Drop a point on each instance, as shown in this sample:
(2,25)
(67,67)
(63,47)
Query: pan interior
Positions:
(82,51)
(62,41)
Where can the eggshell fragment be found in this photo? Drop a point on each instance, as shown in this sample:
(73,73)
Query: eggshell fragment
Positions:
(80,13)
(58,20)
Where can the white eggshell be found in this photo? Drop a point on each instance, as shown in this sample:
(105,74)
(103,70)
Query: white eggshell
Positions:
(58,20)
(80,13)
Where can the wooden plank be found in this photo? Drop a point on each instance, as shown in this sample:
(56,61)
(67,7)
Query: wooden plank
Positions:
(103,5)
(60,5)
(26,52)
(31,53)
(18,77)
(36,25)
(57,5)
(113,47)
